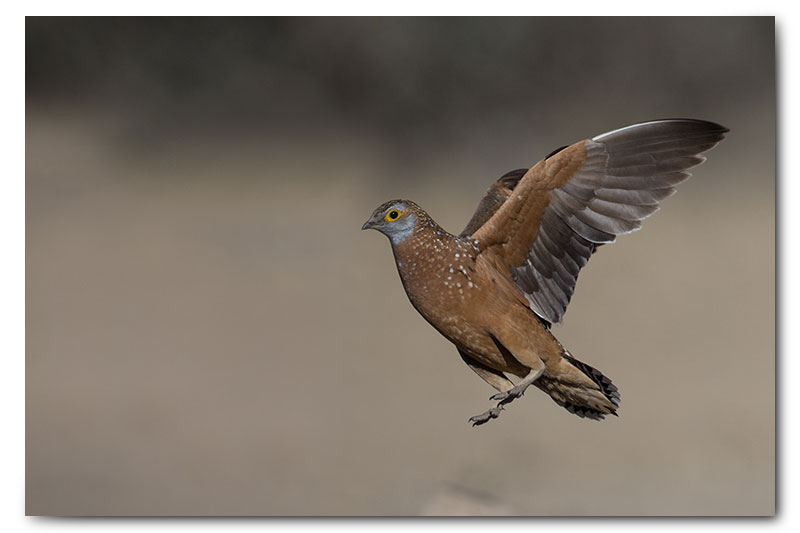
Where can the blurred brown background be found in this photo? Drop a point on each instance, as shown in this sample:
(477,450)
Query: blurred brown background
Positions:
(208,331)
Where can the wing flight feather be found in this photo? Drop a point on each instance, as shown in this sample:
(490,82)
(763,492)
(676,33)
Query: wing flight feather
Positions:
(546,223)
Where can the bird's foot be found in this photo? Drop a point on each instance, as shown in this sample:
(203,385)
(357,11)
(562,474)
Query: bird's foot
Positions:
(510,395)
(482,418)
(506,397)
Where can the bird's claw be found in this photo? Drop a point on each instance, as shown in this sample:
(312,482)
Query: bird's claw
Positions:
(508,396)
(502,399)
(482,418)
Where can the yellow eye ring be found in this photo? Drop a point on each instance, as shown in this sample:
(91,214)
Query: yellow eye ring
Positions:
(392,215)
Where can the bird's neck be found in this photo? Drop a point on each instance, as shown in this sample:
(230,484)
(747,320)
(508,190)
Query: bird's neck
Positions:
(426,240)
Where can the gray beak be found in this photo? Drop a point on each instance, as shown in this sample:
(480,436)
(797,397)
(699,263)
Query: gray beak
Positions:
(367,225)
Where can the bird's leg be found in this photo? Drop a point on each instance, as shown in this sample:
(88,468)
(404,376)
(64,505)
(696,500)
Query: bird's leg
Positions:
(506,397)
(494,378)
(512,394)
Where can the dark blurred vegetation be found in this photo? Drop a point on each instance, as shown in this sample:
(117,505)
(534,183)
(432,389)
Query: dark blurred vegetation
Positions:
(415,82)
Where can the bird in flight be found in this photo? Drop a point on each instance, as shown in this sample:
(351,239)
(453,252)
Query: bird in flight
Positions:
(495,289)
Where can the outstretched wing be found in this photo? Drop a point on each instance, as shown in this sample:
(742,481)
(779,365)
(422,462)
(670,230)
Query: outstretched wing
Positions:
(584,196)
(497,193)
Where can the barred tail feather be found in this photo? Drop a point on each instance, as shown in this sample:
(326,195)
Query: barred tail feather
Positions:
(581,389)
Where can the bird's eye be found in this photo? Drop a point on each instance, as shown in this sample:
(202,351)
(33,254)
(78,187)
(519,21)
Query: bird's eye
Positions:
(392,215)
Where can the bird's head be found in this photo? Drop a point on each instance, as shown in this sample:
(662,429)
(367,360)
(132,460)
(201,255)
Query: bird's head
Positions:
(396,219)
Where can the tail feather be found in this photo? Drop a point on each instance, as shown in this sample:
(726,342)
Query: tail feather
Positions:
(608,389)
(568,386)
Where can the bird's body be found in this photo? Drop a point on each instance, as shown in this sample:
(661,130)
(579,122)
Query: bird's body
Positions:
(494,290)
(440,274)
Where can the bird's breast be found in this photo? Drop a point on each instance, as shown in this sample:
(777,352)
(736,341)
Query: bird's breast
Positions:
(442,282)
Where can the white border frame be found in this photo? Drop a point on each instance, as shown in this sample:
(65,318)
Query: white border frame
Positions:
(12,54)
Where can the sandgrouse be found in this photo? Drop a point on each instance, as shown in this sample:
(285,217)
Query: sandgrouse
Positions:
(495,289)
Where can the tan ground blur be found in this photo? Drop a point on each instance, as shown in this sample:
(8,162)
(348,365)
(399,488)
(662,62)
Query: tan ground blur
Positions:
(208,332)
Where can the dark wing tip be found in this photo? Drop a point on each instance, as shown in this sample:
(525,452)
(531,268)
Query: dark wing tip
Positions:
(673,126)
(510,179)
(493,199)
(554,152)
